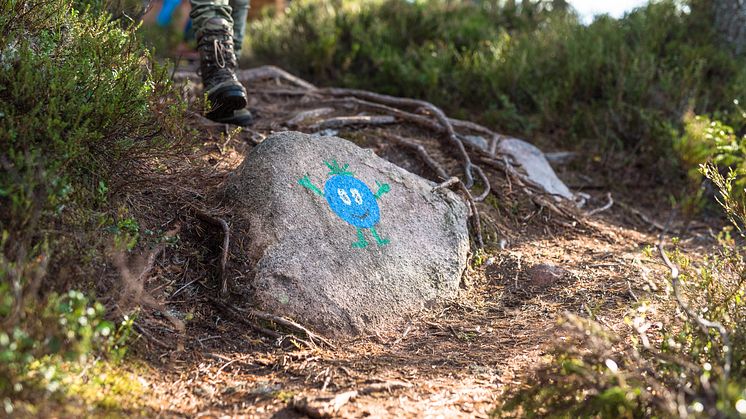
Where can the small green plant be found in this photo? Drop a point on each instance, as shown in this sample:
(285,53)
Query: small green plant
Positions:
(72,326)
(710,141)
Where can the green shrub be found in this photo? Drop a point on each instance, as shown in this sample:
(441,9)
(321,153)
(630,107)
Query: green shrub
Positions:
(525,70)
(706,141)
(82,107)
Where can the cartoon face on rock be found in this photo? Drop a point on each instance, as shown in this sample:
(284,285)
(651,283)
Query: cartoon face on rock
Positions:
(351,200)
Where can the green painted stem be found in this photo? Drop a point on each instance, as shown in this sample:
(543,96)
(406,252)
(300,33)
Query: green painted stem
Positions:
(361,243)
(379,240)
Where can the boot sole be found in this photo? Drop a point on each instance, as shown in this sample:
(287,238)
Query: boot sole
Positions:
(229,98)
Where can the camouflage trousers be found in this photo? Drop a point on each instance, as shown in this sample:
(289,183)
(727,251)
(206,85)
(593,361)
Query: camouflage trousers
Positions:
(234,11)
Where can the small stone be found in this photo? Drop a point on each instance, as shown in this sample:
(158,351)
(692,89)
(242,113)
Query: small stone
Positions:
(476,141)
(544,275)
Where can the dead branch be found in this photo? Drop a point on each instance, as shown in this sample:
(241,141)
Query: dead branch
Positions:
(225,249)
(344,121)
(447,184)
(703,323)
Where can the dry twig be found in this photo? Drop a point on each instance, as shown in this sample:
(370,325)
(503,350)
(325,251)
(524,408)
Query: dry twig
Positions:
(703,323)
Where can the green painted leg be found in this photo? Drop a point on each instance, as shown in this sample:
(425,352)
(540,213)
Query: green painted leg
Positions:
(379,240)
(361,243)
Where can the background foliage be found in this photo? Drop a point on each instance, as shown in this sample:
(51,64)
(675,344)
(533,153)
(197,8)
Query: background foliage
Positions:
(529,70)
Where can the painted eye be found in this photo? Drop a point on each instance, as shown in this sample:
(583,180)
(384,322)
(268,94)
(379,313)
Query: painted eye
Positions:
(356,195)
(344,197)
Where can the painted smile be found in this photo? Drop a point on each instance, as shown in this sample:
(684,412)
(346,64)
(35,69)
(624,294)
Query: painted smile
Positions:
(364,216)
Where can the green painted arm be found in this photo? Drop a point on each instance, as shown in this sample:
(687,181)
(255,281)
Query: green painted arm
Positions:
(305,181)
(382,189)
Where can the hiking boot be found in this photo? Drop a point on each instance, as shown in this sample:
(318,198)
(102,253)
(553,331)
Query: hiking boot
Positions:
(241,117)
(217,65)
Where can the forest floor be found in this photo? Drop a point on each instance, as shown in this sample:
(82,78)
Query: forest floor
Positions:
(453,361)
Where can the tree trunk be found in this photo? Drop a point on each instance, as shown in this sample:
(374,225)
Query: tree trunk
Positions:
(730,23)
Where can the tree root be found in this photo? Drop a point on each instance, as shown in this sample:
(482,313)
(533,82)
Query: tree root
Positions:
(419,113)
(246,316)
(223,278)
(416,103)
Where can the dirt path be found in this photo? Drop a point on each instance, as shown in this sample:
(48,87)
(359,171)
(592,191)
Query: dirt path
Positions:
(454,361)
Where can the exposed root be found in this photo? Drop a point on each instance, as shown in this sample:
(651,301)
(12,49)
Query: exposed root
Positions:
(387,110)
(422,153)
(450,182)
(434,110)
(245,316)
(272,72)
(345,121)
(225,248)
(441,172)
(608,205)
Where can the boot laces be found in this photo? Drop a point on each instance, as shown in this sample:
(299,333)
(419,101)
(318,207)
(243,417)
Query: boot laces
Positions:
(219,51)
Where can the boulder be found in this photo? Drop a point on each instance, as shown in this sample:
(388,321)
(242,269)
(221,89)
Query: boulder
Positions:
(339,239)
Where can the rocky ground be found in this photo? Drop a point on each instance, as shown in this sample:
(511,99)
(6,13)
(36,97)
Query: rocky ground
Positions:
(455,360)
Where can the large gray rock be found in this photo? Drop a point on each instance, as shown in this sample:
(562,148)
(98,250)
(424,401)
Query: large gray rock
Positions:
(309,263)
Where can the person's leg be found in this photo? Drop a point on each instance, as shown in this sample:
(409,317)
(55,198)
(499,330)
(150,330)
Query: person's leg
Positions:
(240,12)
(213,27)
(204,10)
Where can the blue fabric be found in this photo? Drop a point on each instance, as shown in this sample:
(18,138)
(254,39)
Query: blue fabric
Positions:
(167,12)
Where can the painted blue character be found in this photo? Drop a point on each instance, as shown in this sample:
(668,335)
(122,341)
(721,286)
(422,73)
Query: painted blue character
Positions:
(351,200)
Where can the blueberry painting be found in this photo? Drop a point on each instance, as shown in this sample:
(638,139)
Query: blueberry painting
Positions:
(352,201)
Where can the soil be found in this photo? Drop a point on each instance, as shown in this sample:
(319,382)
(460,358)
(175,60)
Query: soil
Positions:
(456,360)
